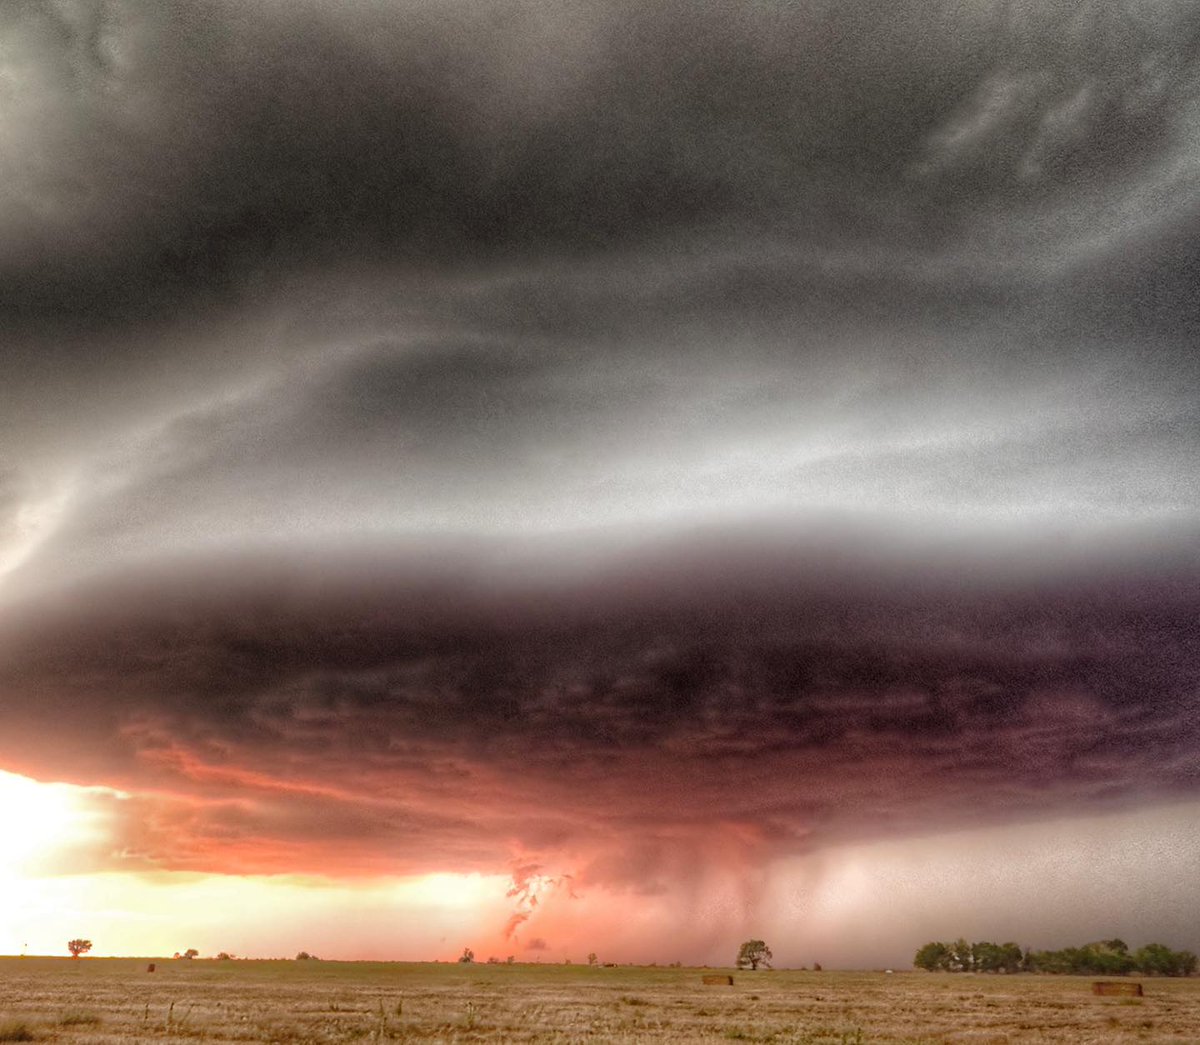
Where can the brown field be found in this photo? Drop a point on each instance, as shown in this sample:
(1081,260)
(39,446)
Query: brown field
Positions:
(103,1001)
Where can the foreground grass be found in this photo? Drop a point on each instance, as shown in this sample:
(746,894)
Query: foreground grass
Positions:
(111,1001)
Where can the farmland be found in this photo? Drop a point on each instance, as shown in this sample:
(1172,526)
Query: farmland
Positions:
(105,1001)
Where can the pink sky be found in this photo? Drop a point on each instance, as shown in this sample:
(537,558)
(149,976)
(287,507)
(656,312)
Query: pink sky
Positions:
(865,905)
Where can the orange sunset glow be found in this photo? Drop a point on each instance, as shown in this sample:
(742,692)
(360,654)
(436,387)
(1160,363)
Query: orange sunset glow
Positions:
(840,906)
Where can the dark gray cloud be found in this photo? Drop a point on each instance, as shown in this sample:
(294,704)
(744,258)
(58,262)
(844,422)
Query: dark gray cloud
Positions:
(199,147)
(459,709)
(711,225)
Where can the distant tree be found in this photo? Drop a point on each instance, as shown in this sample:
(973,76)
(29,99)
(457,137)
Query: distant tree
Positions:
(493,960)
(304,956)
(78,947)
(961,957)
(754,953)
(984,956)
(1011,957)
(509,960)
(1156,960)
(1092,959)
(224,956)
(190,953)
(592,959)
(467,955)
(933,957)
(995,957)
(1099,958)
(1110,958)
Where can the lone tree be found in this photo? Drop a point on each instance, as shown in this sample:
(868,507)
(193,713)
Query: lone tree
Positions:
(468,955)
(78,947)
(754,953)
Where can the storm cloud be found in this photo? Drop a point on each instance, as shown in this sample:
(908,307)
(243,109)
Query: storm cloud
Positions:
(602,438)
(459,712)
(186,155)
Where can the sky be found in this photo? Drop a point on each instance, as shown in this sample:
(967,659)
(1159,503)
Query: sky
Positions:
(598,476)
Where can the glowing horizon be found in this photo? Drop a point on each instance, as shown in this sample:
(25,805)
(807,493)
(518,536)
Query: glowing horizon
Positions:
(829,907)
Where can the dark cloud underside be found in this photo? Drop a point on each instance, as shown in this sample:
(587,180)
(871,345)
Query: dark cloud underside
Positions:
(459,712)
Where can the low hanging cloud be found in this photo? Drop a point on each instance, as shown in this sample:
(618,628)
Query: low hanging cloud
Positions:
(459,710)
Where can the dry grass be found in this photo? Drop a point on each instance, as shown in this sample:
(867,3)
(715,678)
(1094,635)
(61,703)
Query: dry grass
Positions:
(116,1002)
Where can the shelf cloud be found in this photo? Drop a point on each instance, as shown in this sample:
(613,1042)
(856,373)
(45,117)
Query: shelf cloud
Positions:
(457,710)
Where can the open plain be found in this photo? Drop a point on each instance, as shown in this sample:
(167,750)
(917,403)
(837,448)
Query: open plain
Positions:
(106,1001)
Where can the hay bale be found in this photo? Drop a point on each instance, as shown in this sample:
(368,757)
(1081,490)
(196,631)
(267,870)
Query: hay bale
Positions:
(150,967)
(1118,988)
(718,981)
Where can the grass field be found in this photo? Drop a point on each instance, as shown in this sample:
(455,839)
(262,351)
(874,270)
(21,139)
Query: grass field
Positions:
(111,1000)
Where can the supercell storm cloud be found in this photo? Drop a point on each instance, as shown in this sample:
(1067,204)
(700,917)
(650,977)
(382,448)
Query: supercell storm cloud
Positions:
(456,712)
(613,436)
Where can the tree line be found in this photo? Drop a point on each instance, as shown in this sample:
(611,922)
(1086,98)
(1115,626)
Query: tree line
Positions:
(1103,958)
